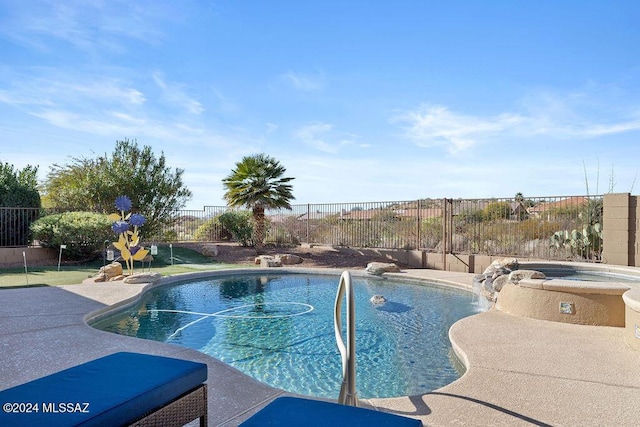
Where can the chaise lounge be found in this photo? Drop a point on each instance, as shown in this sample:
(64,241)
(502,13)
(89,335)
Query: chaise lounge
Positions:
(116,390)
(299,412)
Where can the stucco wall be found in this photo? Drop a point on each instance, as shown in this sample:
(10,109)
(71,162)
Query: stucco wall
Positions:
(12,256)
(588,308)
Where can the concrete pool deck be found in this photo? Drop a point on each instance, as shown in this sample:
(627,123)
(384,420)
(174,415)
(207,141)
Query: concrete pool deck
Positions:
(520,371)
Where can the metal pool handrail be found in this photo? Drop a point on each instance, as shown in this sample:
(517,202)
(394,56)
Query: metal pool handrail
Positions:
(348,395)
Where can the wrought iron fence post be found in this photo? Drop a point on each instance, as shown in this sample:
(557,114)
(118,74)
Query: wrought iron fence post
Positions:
(419,237)
(444,234)
(308,217)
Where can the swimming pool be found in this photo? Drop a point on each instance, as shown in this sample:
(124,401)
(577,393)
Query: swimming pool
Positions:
(278,328)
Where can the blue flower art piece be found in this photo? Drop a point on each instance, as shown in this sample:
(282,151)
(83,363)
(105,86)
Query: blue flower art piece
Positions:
(126,225)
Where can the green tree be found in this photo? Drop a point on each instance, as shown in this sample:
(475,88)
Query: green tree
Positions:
(18,189)
(257,183)
(497,210)
(156,190)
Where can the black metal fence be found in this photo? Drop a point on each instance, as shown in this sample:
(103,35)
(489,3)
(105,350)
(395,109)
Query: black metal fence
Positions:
(540,227)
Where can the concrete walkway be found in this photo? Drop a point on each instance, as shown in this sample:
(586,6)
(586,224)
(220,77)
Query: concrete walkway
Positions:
(520,371)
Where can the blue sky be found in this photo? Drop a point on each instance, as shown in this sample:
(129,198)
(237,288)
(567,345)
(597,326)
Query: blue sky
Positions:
(359,100)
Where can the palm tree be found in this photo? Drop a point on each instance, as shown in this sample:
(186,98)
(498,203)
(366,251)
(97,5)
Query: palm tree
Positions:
(257,184)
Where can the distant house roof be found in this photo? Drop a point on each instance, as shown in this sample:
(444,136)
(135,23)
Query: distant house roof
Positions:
(315,215)
(568,202)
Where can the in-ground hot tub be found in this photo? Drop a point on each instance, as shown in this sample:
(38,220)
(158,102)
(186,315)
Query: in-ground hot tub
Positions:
(586,294)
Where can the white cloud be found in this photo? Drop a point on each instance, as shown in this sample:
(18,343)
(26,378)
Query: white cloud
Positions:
(323,137)
(271,127)
(314,135)
(92,27)
(594,111)
(304,82)
(555,117)
(78,92)
(616,128)
(434,126)
(174,94)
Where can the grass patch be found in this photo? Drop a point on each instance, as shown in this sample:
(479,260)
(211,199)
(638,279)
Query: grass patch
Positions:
(184,261)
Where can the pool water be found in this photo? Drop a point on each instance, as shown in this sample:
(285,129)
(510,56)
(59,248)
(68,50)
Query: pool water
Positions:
(588,275)
(279,330)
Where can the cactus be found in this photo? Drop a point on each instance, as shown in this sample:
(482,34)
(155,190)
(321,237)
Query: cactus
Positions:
(586,243)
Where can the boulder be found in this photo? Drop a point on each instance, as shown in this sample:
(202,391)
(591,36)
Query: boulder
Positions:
(268,261)
(101,277)
(499,282)
(501,266)
(379,268)
(210,250)
(111,270)
(516,276)
(147,277)
(499,274)
(289,259)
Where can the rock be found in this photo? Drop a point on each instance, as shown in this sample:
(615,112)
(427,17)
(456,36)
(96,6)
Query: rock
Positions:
(210,250)
(101,277)
(268,261)
(278,260)
(498,274)
(499,282)
(147,277)
(501,266)
(379,268)
(264,260)
(111,270)
(490,296)
(378,300)
(116,278)
(510,263)
(289,259)
(516,276)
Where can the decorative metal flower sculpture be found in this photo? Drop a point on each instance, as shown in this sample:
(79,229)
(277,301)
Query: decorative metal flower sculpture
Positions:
(129,240)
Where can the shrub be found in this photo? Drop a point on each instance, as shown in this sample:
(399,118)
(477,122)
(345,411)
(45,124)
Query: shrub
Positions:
(211,231)
(84,233)
(532,229)
(240,225)
(497,210)
(470,216)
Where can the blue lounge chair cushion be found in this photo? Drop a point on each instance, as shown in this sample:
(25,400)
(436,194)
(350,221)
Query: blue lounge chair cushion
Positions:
(119,389)
(293,411)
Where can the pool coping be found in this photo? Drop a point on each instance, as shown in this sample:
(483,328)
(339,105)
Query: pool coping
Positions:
(519,371)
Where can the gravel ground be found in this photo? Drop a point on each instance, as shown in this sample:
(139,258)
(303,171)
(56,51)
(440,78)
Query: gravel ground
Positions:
(317,256)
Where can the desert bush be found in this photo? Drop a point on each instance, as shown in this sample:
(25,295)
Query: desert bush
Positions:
(430,232)
(240,225)
(212,231)
(532,229)
(83,233)
(497,210)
